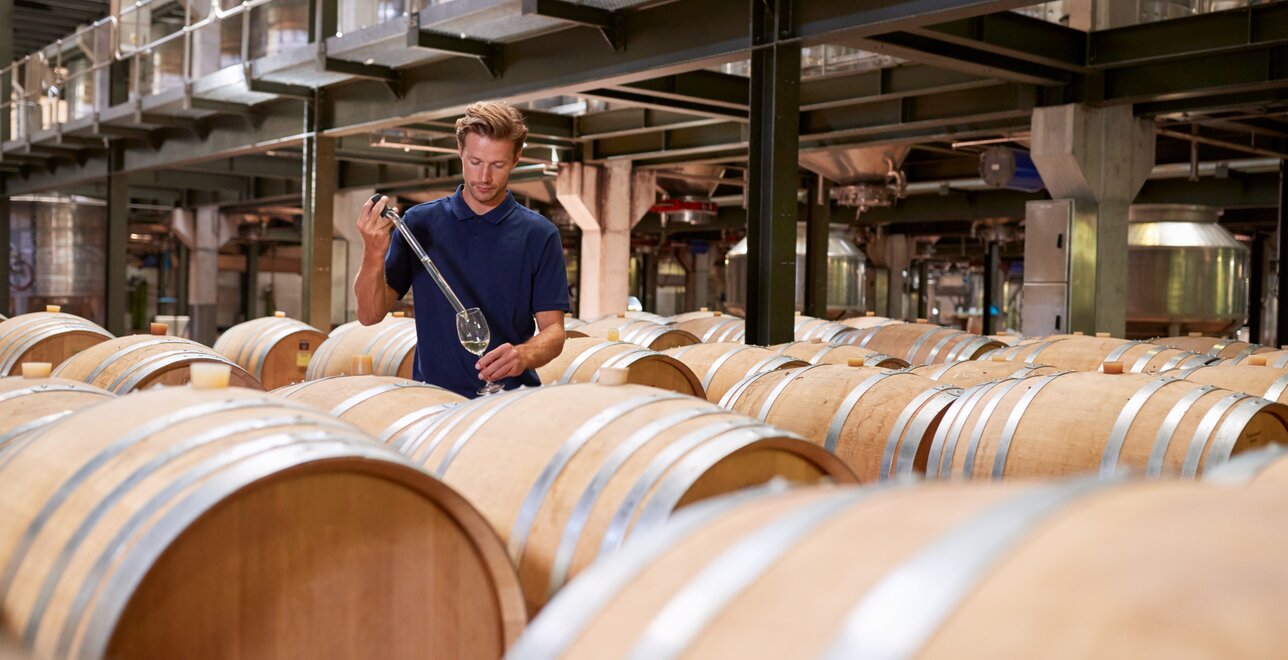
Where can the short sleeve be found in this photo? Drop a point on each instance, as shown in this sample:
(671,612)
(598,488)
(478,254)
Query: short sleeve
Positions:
(550,281)
(398,265)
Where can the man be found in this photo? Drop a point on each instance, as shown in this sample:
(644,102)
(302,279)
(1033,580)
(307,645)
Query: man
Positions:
(497,255)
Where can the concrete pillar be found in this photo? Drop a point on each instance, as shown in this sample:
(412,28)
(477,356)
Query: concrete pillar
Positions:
(200,231)
(1099,158)
(897,257)
(348,204)
(696,283)
(605,201)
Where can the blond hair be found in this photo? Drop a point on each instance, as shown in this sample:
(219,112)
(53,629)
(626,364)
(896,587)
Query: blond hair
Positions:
(495,120)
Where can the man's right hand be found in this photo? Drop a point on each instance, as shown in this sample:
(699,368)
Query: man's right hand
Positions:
(374,227)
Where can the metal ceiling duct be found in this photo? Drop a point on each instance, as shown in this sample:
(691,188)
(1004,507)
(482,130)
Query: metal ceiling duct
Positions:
(868,177)
(1185,272)
(846,268)
(688,189)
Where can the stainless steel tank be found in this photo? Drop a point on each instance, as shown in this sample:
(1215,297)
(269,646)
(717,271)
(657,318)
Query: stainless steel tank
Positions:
(846,267)
(70,240)
(1185,273)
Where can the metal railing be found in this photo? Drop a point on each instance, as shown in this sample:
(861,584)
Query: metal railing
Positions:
(160,46)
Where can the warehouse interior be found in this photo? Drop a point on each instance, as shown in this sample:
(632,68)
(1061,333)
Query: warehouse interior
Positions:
(217,161)
(1000,180)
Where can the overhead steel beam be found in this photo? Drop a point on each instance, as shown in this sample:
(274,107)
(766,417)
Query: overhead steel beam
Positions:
(1015,36)
(488,54)
(255,166)
(633,121)
(773,172)
(622,95)
(883,85)
(611,25)
(1226,73)
(679,141)
(1191,37)
(664,39)
(928,111)
(956,57)
(706,87)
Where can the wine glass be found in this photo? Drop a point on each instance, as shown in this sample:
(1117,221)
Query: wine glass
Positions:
(474,334)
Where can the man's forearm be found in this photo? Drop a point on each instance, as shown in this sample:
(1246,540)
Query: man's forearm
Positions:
(371,289)
(545,346)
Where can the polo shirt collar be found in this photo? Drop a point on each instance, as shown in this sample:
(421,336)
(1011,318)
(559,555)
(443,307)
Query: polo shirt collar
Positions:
(461,209)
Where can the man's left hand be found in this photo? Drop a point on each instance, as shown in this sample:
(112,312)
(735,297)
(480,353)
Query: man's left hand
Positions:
(504,361)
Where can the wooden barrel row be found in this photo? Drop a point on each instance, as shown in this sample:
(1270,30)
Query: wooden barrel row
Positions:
(45,337)
(138,362)
(875,420)
(715,329)
(939,571)
(703,313)
(391,343)
(817,352)
(582,359)
(869,321)
(384,406)
(1277,359)
(1070,423)
(30,403)
(650,335)
(274,349)
(1225,349)
(721,366)
(808,328)
(593,465)
(1083,353)
(196,523)
(923,343)
(978,372)
(637,316)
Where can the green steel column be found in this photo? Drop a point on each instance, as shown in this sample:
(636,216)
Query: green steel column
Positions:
(118,236)
(6,57)
(318,228)
(773,172)
(250,292)
(1281,257)
(817,220)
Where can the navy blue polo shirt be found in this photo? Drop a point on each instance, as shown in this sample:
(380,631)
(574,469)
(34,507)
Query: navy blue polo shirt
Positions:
(508,263)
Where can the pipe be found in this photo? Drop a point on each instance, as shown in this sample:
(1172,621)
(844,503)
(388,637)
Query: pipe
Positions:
(1168,171)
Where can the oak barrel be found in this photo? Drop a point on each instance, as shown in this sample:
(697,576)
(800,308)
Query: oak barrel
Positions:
(1225,349)
(567,473)
(700,314)
(1084,353)
(275,350)
(639,316)
(573,326)
(878,421)
(1068,570)
(1277,359)
(383,406)
(808,328)
(654,336)
(925,343)
(224,523)
(720,366)
(45,337)
(976,372)
(140,361)
(29,403)
(1267,382)
(1086,422)
(817,352)
(581,360)
(391,343)
(716,329)
(864,322)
